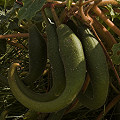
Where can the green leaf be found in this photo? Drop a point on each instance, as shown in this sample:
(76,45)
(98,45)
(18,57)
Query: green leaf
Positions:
(30,8)
(69,3)
(112,13)
(118,1)
(116,54)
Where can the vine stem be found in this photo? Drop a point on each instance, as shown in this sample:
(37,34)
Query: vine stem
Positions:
(63,15)
(44,16)
(114,88)
(117,10)
(17,45)
(106,20)
(87,2)
(91,21)
(105,2)
(81,13)
(86,18)
(14,35)
(56,19)
(90,6)
(109,107)
(102,3)
(104,33)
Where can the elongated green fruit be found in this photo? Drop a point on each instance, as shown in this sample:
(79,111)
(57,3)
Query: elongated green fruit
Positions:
(58,74)
(37,55)
(97,68)
(74,82)
(72,55)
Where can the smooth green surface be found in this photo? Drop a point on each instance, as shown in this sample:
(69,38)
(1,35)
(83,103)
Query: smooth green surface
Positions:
(74,71)
(97,68)
(37,55)
(57,68)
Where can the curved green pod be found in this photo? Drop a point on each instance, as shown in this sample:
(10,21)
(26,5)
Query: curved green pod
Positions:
(71,52)
(37,55)
(73,82)
(57,67)
(97,68)
(58,74)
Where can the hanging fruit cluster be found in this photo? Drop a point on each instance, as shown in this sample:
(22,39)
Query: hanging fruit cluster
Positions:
(73,55)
